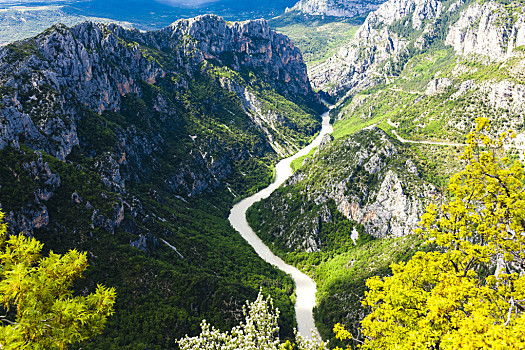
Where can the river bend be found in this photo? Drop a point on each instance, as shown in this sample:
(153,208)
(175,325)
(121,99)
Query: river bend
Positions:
(305,286)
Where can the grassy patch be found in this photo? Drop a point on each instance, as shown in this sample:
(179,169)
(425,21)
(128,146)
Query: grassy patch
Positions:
(298,163)
(317,38)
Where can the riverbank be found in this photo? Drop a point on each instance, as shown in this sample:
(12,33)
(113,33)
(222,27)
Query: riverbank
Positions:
(305,286)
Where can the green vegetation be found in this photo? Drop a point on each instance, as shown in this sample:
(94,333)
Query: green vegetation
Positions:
(341,267)
(341,280)
(298,163)
(442,116)
(318,38)
(458,296)
(438,163)
(38,306)
(446,113)
(162,295)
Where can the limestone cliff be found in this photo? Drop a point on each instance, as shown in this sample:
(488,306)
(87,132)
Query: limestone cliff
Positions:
(489,29)
(369,55)
(368,179)
(336,8)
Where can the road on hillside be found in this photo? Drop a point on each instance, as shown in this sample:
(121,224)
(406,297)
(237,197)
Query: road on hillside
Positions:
(427,142)
(305,286)
(437,143)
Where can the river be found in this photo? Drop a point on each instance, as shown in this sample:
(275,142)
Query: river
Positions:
(305,286)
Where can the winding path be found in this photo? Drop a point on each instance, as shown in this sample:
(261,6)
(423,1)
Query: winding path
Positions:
(305,286)
(437,143)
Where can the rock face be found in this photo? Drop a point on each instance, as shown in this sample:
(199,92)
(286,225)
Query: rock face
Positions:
(437,86)
(398,29)
(367,179)
(242,44)
(361,62)
(132,103)
(336,8)
(54,83)
(36,216)
(489,29)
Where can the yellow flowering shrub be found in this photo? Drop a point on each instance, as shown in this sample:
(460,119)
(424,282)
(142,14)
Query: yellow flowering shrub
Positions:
(470,292)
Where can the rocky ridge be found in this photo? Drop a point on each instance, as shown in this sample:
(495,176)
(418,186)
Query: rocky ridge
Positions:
(367,57)
(336,8)
(369,179)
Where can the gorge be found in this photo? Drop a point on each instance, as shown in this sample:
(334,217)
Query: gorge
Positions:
(165,154)
(305,287)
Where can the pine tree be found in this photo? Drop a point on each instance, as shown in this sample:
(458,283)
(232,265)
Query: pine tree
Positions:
(39,309)
(469,293)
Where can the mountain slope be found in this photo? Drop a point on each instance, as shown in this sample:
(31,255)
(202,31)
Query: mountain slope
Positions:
(336,8)
(470,65)
(341,215)
(132,146)
(391,31)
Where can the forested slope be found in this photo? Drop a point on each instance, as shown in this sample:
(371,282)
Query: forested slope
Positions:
(423,70)
(132,146)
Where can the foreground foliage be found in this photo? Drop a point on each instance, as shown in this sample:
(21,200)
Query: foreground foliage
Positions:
(470,293)
(258,331)
(39,309)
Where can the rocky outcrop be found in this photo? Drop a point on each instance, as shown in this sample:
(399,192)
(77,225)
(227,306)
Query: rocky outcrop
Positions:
(399,28)
(53,83)
(131,126)
(437,86)
(489,29)
(384,208)
(368,180)
(35,216)
(336,8)
(267,119)
(393,213)
(361,63)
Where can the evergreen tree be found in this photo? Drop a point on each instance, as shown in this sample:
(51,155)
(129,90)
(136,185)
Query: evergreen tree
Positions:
(39,310)
(469,293)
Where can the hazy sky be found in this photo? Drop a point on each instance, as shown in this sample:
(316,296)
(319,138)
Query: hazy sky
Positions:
(191,3)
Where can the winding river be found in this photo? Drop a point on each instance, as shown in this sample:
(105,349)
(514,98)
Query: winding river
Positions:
(305,286)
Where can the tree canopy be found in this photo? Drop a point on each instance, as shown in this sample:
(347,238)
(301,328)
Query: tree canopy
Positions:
(258,331)
(469,292)
(39,309)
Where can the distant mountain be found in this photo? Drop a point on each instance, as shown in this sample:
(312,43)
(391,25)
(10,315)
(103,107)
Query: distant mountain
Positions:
(336,8)
(22,19)
(133,145)
(21,22)
(162,13)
